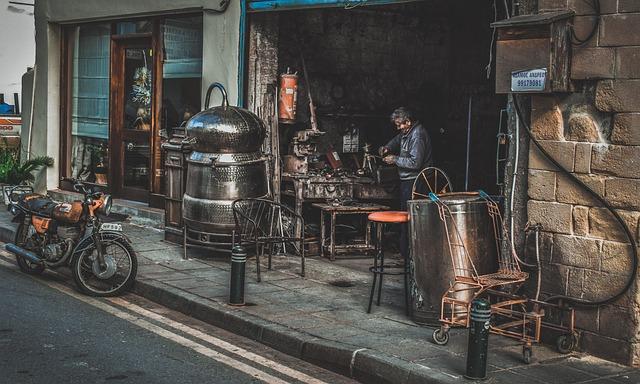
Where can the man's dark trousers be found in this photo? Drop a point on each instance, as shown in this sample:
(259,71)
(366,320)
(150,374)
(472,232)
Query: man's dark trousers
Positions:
(405,194)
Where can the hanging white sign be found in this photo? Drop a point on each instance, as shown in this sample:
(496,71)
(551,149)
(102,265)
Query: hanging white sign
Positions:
(530,80)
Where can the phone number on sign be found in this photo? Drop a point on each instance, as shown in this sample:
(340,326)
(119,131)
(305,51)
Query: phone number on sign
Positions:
(530,83)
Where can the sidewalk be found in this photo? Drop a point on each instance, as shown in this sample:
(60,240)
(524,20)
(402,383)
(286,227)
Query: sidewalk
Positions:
(322,319)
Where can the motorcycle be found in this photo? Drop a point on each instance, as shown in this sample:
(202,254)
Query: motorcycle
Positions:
(53,235)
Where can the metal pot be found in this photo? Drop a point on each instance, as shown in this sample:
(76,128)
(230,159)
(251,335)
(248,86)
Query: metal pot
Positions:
(432,272)
(225,129)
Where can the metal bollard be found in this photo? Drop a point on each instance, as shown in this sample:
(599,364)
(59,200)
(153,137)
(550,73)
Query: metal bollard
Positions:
(236,285)
(478,340)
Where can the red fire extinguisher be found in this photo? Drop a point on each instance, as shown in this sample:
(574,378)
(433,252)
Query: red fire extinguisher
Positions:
(288,97)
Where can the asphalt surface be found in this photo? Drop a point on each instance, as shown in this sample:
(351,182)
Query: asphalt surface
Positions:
(51,334)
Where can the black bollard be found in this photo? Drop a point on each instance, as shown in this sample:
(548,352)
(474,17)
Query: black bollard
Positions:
(478,340)
(236,285)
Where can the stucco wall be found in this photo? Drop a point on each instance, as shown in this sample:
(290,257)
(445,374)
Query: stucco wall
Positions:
(220,57)
(594,132)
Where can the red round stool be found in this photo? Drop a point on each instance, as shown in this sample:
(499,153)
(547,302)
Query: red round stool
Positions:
(379,269)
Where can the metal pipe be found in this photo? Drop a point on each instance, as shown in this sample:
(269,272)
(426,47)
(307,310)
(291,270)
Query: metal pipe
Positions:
(16,103)
(30,256)
(466,173)
(275,5)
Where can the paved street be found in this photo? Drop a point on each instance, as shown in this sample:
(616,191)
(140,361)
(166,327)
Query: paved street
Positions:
(51,334)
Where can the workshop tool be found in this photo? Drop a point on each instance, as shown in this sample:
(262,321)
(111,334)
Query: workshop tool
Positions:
(312,108)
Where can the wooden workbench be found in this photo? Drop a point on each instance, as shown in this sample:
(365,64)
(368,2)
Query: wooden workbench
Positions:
(333,211)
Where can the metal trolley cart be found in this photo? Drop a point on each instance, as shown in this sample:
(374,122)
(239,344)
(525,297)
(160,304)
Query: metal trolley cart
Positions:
(513,316)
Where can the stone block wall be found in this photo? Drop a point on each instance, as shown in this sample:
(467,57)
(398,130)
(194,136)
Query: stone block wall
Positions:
(593,132)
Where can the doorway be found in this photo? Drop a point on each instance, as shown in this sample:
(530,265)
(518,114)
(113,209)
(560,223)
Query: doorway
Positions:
(132,122)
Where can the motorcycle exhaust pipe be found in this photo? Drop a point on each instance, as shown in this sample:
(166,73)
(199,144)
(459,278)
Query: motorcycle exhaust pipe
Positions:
(32,257)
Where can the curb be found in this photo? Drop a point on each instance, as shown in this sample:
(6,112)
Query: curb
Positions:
(364,365)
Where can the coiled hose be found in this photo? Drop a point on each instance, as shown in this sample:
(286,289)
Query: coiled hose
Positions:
(627,231)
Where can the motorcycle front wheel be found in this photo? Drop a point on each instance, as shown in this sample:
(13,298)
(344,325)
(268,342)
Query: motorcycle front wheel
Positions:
(118,274)
(22,234)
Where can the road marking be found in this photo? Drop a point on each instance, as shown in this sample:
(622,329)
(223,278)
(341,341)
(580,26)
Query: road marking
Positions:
(216,341)
(203,350)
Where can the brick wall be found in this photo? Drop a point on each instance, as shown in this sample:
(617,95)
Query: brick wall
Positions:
(595,133)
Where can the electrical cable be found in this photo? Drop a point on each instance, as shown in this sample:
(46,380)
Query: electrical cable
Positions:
(539,277)
(616,215)
(493,38)
(595,4)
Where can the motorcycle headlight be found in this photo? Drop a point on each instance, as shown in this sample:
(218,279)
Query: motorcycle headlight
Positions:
(105,209)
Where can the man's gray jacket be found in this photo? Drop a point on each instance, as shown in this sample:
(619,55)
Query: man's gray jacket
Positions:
(413,150)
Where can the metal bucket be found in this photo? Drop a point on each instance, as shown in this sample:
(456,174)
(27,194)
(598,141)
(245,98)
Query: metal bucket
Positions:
(432,270)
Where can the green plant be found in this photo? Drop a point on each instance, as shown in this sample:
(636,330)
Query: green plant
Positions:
(13,171)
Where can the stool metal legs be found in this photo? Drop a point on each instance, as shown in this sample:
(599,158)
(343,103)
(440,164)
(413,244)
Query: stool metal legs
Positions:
(378,269)
(378,256)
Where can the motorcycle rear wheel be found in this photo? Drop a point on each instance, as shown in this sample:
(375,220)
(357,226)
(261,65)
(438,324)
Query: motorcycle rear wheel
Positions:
(118,277)
(22,233)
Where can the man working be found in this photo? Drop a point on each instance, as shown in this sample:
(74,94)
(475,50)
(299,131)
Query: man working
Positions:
(411,152)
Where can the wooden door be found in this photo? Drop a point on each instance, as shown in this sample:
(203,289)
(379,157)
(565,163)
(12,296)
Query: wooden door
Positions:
(132,117)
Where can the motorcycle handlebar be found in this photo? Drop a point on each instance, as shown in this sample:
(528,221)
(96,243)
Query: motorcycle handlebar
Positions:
(79,186)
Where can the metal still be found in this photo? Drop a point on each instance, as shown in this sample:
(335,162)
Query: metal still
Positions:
(226,164)
(432,272)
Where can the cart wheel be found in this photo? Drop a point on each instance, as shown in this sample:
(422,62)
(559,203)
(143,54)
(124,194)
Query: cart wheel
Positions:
(440,336)
(527,353)
(430,180)
(565,343)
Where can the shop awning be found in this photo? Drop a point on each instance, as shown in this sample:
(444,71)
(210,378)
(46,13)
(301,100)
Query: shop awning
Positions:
(281,5)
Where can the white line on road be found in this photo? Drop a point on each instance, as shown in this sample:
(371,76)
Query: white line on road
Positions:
(254,372)
(217,342)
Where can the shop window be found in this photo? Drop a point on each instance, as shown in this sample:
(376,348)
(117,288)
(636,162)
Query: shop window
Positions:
(90,102)
(181,70)
(131,27)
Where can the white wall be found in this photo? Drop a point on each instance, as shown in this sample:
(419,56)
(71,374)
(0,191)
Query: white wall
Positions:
(17,46)
(220,55)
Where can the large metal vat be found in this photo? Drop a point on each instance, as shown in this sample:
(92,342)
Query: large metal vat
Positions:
(432,269)
(226,165)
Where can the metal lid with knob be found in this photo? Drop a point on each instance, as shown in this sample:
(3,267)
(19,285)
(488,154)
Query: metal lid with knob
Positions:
(225,128)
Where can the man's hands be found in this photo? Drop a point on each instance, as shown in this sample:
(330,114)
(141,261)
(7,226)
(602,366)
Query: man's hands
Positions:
(390,159)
